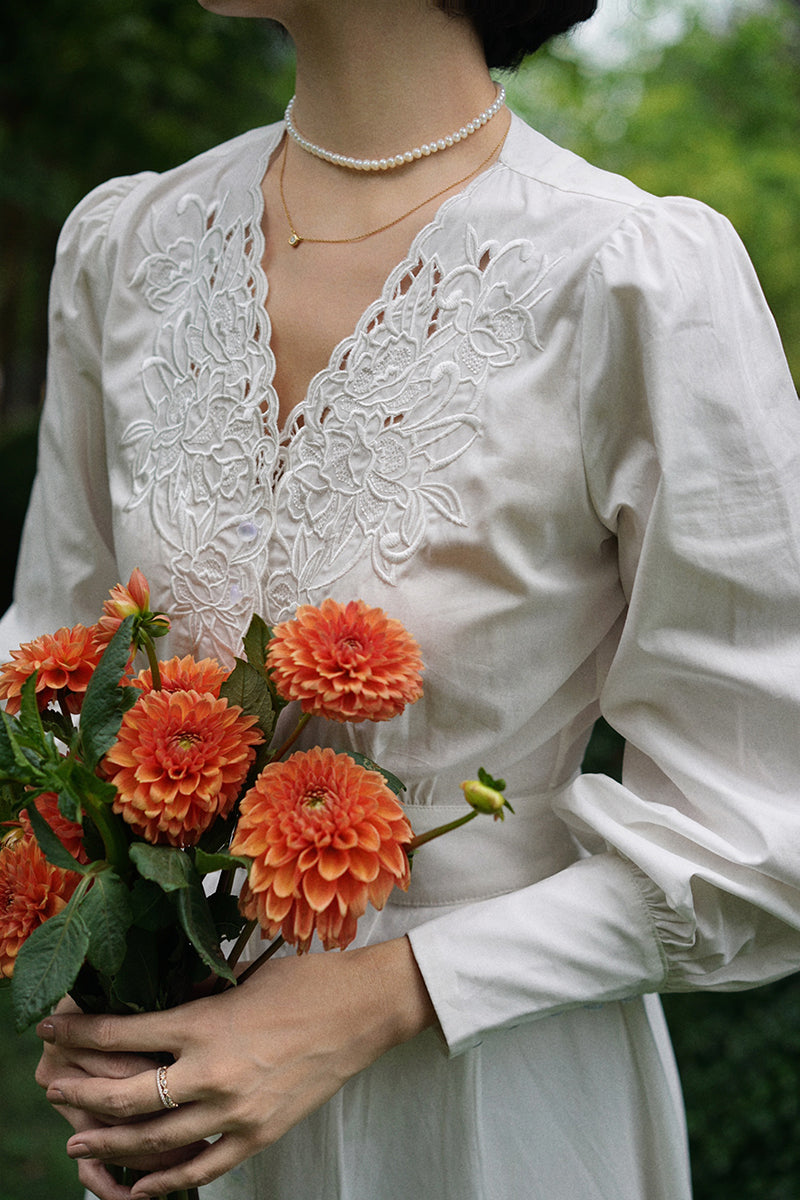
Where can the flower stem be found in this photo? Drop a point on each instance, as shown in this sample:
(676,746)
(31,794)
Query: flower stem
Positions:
(149,648)
(224,883)
(262,958)
(278,754)
(422,838)
(241,942)
(109,826)
(127,1176)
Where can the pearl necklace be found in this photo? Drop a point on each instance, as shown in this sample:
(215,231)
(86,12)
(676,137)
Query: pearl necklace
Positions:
(396,160)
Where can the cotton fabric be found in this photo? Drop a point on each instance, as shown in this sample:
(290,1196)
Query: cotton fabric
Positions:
(563,447)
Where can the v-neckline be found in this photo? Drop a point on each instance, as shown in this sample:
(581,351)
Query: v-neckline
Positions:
(285,434)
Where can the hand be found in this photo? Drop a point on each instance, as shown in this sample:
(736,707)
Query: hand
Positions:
(61,1063)
(249,1063)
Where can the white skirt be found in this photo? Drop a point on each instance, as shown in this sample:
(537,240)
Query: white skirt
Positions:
(583,1105)
(580,1106)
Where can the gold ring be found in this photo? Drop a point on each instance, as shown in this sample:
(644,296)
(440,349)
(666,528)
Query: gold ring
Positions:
(163,1090)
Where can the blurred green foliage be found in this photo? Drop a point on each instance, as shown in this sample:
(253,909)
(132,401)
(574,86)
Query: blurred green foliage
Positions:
(715,116)
(104,87)
(739,1058)
(33,1162)
(17,469)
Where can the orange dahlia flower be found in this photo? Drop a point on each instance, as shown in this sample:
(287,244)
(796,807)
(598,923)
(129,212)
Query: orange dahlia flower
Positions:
(346,662)
(185,675)
(325,835)
(178,763)
(65,661)
(69,833)
(31,891)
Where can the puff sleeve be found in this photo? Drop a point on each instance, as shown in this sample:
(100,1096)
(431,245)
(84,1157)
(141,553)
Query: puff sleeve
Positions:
(66,561)
(691,442)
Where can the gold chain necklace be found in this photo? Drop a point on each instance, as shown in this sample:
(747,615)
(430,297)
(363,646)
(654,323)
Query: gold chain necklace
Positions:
(295,239)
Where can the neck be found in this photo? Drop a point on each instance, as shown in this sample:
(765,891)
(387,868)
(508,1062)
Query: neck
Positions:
(375,77)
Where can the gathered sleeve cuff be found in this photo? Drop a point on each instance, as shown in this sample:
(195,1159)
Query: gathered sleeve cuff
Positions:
(583,936)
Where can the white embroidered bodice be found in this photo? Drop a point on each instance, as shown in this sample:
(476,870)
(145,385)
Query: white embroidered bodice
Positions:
(248,510)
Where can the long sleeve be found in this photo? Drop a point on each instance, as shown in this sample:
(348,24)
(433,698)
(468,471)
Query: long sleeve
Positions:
(66,561)
(691,434)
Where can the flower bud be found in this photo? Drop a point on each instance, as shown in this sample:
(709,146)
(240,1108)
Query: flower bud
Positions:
(484,799)
(132,600)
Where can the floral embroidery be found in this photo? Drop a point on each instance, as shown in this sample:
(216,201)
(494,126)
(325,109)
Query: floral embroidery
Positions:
(255,521)
(364,472)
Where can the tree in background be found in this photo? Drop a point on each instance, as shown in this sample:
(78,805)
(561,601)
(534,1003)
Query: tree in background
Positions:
(101,88)
(715,116)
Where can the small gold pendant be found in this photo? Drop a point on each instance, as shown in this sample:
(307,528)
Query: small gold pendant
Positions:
(294,239)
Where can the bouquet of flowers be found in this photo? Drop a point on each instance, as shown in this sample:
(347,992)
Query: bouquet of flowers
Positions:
(126,793)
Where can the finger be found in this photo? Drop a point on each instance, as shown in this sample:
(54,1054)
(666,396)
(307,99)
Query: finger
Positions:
(152,1162)
(154,1032)
(162,1134)
(98,1180)
(224,1154)
(76,1117)
(83,1063)
(113,1099)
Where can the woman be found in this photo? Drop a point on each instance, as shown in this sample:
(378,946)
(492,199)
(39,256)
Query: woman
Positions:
(542,418)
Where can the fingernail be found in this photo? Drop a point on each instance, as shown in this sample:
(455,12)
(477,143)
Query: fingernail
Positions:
(56,1096)
(46,1031)
(78,1150)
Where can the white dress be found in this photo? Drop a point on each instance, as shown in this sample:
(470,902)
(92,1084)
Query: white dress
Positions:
(563,447)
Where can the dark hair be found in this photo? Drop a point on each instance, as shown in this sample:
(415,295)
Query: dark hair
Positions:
(510,29)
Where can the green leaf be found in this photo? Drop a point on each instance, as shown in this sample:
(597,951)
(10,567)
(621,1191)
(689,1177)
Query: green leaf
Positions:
(56,723)
(150,906)
(206,863)
(256,641)
(8,759)
(198,925)
(217,837)
(83,792)
(226,916)
(498,785)
(48,964)
(392,782)
(250,689)
(16,764)
(84,783)
(137,985)
(69,804)
(167,866)
(106,701)
(107,912)
(52,848)
(30,719)
(11,800)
